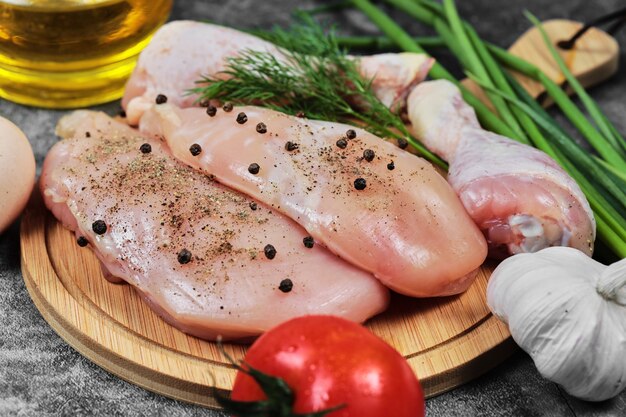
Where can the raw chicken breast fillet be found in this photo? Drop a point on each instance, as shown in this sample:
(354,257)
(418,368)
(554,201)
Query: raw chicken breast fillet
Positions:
(154,207)
(181,52)
(406,225)
(519,197)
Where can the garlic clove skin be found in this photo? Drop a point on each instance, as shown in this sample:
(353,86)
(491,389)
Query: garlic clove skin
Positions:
(567,312)
(612,283)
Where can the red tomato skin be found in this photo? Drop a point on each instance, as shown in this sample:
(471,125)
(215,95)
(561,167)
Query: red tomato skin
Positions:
(328,361)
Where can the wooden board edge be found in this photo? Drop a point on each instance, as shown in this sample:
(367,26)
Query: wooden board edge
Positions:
(473,367)
(199,394)
(128,370)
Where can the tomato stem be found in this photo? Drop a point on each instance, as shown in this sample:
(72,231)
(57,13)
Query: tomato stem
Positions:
(280,397)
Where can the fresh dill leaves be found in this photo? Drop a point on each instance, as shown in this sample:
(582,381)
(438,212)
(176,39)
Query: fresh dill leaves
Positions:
(310,74)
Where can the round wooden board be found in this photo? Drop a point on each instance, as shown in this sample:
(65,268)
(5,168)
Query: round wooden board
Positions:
(447,341)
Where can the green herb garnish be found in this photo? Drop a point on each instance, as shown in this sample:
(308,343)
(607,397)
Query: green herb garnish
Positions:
(314,76)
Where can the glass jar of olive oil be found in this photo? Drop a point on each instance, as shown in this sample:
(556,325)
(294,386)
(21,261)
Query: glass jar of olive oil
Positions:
(72,53)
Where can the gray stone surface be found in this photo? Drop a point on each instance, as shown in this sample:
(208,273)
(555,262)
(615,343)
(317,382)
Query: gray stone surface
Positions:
(40,375)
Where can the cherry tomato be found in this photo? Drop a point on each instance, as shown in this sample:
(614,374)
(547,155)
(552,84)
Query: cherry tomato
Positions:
(329,361)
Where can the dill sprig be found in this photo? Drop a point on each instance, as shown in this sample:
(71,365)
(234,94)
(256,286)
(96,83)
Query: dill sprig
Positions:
(312,75)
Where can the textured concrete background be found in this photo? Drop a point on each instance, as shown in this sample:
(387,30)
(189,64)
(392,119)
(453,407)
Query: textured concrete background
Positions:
(40,375)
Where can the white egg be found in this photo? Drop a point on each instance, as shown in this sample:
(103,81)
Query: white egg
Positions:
(17,172)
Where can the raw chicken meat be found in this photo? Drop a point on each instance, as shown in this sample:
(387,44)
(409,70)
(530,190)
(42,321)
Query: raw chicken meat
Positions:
(182,52)
(368,201)
(519,197)
(195,250)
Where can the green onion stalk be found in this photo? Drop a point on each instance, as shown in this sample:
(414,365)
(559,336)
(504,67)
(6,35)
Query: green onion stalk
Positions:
(383,42)
(427,11)
(402,39)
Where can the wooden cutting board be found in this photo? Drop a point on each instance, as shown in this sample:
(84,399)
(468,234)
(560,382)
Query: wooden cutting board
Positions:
(447,341)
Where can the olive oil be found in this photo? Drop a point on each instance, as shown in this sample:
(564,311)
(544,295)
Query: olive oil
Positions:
(72,53)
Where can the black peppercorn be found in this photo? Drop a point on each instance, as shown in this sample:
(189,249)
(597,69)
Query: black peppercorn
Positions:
(391,166)
(254,168)
(145,148)
(99,227)
(253,205)
(300,114)
(211,110)
(261,128)
(286,285)
(291,146)
(87,134)
(242,118)
(270,251)
(308,242)
(360,184)
(184,257)
(195,149)
(368,155)
(161,99)
(342,143)
(82,241)
(351,134)
(228,107)
(402,143)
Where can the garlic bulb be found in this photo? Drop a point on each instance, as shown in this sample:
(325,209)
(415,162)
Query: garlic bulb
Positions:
(568,312)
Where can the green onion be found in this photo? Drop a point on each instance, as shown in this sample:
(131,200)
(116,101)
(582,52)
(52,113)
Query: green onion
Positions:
(514,116)
(400,37)
(576,117)
(384,43)
(611,135)
(475,65)
(326,8)
(611,155)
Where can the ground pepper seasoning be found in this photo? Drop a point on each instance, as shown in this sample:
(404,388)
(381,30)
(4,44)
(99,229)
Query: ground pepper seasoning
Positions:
(242,118)
(254,168)
(286,285)
(195,149)
(270,251)
(99,227)
(184,257)
(291,146)
(145,148)
(360,184)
